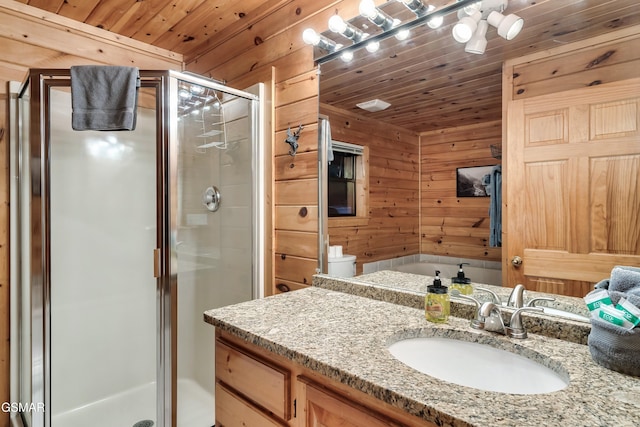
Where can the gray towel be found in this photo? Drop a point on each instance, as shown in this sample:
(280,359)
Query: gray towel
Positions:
(104,97)
(614,347)
(625,279)
(625,282)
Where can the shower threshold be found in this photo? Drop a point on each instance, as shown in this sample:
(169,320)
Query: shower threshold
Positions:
(137,405)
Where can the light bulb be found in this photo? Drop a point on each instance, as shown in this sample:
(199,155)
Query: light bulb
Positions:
(403,35)
(368,9)
(435,22)
(337,24)
(372,47)
(508,26)
(346,56)
(311,37)
(465,27)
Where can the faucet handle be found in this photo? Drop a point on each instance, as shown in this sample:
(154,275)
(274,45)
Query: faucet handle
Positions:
(478,322)
(490,317)
(456,293)
(494,296)
(516,329)
(533,302)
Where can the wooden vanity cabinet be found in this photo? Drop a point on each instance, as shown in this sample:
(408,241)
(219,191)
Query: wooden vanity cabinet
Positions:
(256,388)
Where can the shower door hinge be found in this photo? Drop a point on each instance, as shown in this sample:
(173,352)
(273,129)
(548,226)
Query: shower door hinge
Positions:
(156,263)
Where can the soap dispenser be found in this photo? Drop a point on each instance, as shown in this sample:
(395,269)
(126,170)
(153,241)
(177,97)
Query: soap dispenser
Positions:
(462,283)
(437,303)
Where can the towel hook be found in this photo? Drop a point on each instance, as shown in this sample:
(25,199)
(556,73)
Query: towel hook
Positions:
(292,139)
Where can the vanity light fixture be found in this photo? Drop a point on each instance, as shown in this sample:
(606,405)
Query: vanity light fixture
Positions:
(337,25)
(474,18)
(508,26)
(478,42)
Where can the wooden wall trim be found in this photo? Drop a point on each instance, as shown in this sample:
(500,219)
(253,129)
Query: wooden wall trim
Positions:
(44,29)
(4,256)
(615,36)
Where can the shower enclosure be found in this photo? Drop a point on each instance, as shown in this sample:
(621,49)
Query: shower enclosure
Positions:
(121,240)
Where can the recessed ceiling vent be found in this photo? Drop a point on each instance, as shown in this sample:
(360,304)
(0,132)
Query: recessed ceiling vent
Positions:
(373,105)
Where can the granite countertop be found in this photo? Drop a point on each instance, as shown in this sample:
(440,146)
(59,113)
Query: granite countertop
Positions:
(409,289)
(345,337)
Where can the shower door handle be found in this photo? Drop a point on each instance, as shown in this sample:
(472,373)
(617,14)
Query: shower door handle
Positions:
(156,263)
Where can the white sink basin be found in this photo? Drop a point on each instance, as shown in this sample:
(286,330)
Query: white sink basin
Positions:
(477,365)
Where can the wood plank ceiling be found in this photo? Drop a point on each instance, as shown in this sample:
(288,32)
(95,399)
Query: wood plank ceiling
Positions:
(188,27)
(429,79)
(432,83)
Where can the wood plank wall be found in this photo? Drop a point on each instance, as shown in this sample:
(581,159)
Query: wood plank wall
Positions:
(32,38)
(450,225)
(271,45)
(391,229)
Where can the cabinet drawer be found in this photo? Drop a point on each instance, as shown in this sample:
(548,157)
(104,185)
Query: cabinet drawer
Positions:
(326,408)
(256,379)
(233,411)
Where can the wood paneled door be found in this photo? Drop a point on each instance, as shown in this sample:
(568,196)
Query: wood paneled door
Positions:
(573,187)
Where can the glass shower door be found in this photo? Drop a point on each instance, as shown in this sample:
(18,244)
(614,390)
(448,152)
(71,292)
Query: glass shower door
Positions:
(102,194)
(215,231)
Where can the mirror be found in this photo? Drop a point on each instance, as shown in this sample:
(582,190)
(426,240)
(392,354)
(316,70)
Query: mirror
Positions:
(432,84)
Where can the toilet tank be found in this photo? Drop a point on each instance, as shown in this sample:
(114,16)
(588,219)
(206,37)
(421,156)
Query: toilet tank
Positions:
(344,266)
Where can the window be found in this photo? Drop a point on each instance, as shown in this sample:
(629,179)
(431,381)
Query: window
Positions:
(342,185)
(346,184)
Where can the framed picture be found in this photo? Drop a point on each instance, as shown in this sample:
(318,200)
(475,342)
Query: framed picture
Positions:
(469,181)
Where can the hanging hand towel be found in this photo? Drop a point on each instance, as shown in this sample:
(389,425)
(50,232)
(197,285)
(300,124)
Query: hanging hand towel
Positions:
(104,97)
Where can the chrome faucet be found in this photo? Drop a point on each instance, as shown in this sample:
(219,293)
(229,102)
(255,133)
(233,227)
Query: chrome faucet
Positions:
(475,323)
(516,328)
(516,297)
(489,318)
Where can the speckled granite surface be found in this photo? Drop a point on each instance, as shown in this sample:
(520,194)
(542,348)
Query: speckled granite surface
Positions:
(345,338)
(409,289)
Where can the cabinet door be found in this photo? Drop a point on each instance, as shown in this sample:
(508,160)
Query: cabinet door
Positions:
(324,408)
(572,187)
